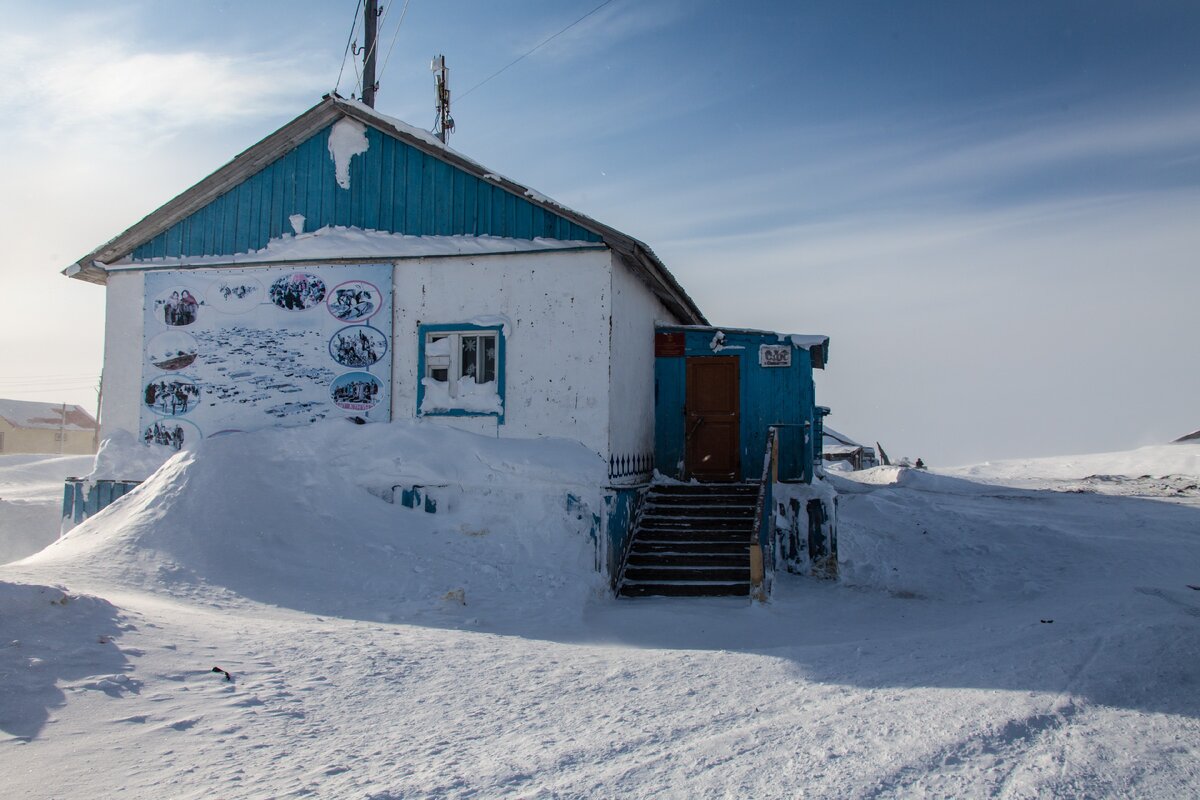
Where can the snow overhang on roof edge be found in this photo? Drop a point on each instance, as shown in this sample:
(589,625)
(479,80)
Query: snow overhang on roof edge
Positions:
(641,258)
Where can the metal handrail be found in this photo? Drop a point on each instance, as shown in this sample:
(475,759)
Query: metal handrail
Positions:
(762,542)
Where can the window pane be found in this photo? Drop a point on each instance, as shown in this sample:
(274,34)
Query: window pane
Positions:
(489,358)
(439,374)
(470,350)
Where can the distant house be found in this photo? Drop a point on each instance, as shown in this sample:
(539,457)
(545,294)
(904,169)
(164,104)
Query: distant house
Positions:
(350,265)
(31,427)
(1194,436)
(841,448)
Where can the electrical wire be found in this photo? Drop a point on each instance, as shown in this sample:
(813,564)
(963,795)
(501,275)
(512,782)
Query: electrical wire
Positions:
(349,38)
(395,34)
(346,52)
(533,50)
(34,382)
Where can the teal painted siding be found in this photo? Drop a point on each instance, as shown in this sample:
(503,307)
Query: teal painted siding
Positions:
(620,508)
(394,187)
(782,396)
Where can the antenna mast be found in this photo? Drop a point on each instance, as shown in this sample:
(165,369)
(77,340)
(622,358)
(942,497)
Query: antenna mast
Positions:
(370,19)
(445,122)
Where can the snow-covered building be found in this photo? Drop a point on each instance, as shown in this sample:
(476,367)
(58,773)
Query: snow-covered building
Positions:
(33,427)
(837,447)
(352,265)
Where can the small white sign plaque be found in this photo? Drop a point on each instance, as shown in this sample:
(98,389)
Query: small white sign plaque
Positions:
(774,355)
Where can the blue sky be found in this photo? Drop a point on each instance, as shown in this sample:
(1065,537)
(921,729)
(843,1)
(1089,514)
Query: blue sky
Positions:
(990,207)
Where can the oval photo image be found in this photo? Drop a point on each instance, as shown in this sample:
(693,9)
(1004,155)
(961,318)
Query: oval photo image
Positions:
(176,307)
(356,391)
(358,346)
(172,395)
(353,301)
(172,350)
(298,291)
(173,433)
(235,295)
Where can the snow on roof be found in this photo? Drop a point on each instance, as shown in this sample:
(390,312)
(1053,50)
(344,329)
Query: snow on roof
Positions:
(837,438)
(93,267)
(46,416)
(343,242)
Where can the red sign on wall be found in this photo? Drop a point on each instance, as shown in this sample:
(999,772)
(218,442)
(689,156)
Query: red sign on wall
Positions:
(667,345)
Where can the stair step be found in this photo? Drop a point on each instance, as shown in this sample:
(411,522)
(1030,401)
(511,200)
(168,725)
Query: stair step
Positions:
(706,499)
(703,589)
(689,574)
(655,522)
(690,548)
(699,510)
(684,559)
(739,537)
(704,488)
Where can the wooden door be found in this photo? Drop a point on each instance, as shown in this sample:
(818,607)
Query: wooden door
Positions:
(712,441)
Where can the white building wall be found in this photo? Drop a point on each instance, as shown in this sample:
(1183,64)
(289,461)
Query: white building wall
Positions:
(631,368)
(556,350)
(558,307)
(120,405)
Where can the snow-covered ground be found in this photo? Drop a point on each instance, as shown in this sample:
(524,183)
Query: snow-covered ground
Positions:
(1007,630)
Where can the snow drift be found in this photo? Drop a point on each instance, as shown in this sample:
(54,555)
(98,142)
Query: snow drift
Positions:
(298,518)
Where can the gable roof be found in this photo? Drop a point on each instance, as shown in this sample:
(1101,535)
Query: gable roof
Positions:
(835,439)
(190,217)
(30,414)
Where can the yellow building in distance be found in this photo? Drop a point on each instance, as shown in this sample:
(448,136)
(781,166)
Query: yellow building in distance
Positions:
(34,427)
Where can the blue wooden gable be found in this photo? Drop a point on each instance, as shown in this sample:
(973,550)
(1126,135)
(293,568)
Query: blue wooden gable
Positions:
(394,187)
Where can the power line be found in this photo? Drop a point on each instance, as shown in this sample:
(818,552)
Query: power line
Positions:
(349,39)
(395,35)
(533,50)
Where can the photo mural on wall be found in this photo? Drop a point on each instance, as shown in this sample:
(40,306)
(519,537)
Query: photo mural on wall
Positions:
(228,350)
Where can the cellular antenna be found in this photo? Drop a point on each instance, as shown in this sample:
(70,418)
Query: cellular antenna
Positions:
(445,122)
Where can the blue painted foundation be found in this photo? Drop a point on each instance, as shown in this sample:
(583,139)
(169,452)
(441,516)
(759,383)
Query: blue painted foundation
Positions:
(84,498)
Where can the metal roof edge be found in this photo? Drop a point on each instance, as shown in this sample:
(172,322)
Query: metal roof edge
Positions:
(246,163)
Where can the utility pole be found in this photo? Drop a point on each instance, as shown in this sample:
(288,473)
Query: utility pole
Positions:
(441,76)
(62,429)
(370,20)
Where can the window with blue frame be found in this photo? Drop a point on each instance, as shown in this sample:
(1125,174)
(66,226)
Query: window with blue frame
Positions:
(462,371)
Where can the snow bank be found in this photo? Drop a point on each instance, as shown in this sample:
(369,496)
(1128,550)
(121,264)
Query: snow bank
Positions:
(294,517)
(1182,458)
(1010,530)
(123,457)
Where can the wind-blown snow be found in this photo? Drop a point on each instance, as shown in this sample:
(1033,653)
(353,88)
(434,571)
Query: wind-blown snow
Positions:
(985,640)
(31,498)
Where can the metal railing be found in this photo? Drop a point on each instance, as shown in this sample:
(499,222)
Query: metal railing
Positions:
(636,465)
(762,545)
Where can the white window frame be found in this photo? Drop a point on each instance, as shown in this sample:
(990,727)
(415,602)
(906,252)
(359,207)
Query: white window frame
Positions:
(452,363)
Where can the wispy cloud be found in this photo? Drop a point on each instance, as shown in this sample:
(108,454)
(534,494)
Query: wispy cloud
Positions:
(823,174)
(614,24)
(102,77)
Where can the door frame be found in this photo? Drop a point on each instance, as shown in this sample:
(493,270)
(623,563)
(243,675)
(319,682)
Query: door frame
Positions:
(688,416)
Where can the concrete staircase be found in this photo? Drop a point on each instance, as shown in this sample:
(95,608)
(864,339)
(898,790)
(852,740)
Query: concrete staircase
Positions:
(692,540)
